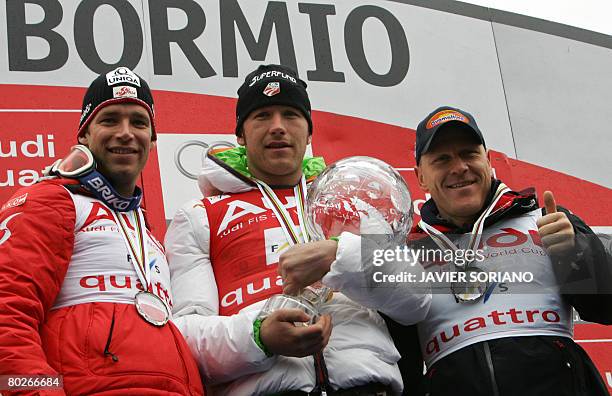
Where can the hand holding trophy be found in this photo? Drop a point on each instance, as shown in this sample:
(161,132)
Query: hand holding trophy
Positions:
(360,195)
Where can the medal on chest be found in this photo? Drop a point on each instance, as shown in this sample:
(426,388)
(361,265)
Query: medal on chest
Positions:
(470,288)
(148,305)
(313,296)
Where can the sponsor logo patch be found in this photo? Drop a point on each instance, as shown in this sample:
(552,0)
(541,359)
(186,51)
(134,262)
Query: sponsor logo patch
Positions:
(17,201)
(272,89)
(445,116)
(124,91)
(122,75)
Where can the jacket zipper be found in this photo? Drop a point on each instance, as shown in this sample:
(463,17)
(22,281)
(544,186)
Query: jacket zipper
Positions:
(107,351)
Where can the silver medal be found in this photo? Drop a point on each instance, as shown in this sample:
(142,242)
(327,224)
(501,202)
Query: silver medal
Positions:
(469,291)
(152,308)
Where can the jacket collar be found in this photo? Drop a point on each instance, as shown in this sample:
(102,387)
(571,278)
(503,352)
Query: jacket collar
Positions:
(225,170)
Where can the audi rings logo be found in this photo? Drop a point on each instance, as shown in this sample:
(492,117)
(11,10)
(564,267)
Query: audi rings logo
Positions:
(178,153)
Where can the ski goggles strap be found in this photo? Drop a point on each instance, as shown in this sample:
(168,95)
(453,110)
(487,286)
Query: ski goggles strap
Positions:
(81,165)
(104,191)
(78,162)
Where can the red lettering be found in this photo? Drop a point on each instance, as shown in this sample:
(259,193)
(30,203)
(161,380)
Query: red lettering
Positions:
(432,346)
(514,315)
(495,316)
(530,314)
(472,324)
(98,212)
(479,323)
(556,317)
(100,284)
(126,285)
(516,238)
(455,334)
(535,237)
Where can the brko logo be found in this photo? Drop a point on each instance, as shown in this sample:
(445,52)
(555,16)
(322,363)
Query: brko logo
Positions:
(108,196)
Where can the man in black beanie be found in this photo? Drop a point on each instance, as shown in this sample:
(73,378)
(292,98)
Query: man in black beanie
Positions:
(84,286)
(271,85)
(224,251)
(274,104)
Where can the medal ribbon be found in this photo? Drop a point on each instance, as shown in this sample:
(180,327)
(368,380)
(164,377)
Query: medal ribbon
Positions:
(284,218)
(445,243)
(136,246)
(293,238)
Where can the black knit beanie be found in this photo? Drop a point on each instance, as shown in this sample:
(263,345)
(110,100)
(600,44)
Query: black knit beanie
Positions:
(271,85)
(117,86)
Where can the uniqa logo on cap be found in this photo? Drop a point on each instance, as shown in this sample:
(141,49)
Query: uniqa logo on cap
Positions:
(122,75)
(444,116)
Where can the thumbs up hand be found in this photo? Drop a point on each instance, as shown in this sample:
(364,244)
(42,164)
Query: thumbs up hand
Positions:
(555,229)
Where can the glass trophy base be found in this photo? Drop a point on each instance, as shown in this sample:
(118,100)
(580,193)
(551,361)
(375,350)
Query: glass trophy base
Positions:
(283,301)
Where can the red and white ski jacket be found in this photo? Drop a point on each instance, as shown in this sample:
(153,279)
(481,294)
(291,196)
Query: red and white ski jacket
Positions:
(223,252)
(67,300)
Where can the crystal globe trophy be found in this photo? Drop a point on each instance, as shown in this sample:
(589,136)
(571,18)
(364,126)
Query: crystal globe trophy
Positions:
(360,195)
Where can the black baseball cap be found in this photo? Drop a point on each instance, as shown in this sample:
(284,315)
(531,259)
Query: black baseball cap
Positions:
(271,85)
(120,85)
(439,118)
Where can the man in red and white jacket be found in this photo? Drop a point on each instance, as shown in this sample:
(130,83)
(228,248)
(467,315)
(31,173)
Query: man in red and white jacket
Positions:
(84,286)
(224,251)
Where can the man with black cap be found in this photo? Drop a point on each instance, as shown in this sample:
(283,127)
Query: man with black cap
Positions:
(84,286)
(224,250)
(515,335)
